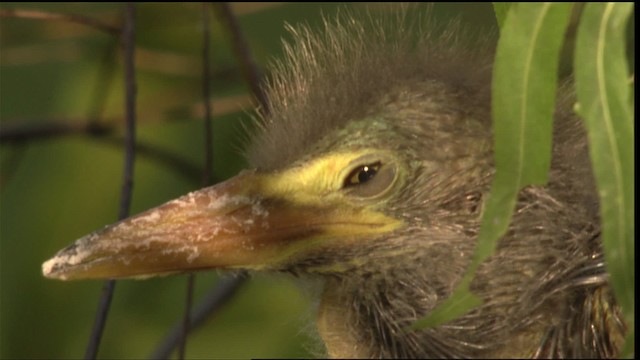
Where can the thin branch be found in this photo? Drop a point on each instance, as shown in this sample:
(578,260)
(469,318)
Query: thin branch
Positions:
(206,96)
(226,288)
(128,41)
(73,18)
(182,343)
(216,298)
(249,68)
(26,131)
(100,320)
(19,129)
(99,131)
(208,159)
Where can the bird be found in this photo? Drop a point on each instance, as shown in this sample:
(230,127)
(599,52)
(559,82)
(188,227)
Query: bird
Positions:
(369,171)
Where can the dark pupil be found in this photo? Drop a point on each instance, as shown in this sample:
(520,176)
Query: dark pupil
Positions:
(362,174)
(366,173)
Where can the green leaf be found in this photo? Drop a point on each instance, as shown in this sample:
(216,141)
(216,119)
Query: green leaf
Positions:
(523,102)
(605,103)
(451,310)
(501,9)
(524,87)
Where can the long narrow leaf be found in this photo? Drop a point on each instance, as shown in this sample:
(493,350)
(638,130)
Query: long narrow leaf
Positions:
(501,9)
(604,100)
(524,87)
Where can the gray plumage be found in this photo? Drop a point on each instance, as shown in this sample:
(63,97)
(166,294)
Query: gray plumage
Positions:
(378,84)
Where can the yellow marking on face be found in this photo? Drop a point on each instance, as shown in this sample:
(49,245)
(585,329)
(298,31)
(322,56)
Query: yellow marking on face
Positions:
(339,218)
(318,180)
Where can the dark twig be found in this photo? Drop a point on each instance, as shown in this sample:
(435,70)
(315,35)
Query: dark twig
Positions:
(47,15)
(26,131)
(182,344)
(206,95)
(208,159)
(227,287)
(128,41)
(249,68)
(211,302)
(100,320)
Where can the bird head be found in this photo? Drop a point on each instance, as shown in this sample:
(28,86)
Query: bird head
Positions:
(366,135)
(370,164)
(369,170)
(353,200)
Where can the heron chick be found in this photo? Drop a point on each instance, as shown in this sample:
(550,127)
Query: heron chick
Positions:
(370,171)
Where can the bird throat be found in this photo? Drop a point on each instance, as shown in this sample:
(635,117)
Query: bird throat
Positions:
(339,335)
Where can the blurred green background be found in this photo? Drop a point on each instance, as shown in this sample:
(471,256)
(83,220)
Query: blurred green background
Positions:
(56,189)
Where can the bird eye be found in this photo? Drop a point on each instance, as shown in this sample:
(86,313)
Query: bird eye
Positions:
(369,180)
(362,174)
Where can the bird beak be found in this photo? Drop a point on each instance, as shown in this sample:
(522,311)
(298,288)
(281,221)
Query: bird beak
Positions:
(236,224)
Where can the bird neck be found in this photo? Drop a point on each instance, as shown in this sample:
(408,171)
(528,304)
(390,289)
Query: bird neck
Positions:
(341,338)
(359,320)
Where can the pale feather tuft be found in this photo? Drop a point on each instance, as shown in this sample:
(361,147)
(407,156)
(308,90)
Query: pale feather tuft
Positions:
(332,76)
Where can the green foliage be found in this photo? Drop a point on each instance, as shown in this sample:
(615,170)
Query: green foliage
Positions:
(524,84)
(605,102)
(501,9)
(524,88)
